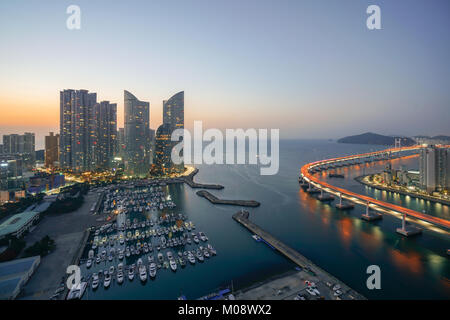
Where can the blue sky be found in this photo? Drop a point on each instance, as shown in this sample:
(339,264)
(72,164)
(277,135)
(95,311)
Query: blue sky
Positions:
(310,68)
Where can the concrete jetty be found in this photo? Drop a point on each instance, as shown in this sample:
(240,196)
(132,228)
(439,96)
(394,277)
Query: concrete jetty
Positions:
(189,180)
(293,255)
(213,199)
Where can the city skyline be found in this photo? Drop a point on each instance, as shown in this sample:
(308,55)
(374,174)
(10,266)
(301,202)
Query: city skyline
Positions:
(274,66)
(225,151)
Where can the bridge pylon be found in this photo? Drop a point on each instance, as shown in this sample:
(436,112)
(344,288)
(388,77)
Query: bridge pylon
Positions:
(408,230)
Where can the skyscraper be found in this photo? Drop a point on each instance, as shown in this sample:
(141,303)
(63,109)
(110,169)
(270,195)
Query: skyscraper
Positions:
(435,168)
(77,129)
(137,135)
(173,116)
(173,111)
(51,150)
(105,141)
(163,149)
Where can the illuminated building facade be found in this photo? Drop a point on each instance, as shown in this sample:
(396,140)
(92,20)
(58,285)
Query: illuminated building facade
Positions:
(434,168)
(105,144)
(137,135)
(173,117)
(77,130)
(163,149)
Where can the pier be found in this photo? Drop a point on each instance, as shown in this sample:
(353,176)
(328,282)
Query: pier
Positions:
(319,274)
(189,180)
(214,200)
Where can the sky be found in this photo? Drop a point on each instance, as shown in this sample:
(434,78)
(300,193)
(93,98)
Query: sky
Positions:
(310,68)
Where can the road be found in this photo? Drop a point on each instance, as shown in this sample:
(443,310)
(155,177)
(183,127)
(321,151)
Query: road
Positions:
(352,196)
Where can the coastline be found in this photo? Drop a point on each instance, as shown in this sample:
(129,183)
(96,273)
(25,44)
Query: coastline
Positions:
(360,179)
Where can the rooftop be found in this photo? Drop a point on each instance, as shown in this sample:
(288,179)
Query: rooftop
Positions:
(14,273)
(16,222)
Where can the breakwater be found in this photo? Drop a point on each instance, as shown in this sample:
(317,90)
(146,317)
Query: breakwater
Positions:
(318,274)
(213,199)
(189,180)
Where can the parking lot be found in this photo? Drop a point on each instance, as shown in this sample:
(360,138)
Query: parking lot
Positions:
(290,286)
(67,230)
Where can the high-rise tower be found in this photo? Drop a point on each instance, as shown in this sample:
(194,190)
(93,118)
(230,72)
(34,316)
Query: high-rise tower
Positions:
(137,135)
(77,129)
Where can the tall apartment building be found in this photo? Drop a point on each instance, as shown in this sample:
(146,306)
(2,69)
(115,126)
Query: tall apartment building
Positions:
(163,149)
(137,135)
(106,137)
(173,118)
(434,166)
(77,130)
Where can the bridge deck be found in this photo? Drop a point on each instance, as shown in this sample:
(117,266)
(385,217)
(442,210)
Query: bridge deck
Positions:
(377,205)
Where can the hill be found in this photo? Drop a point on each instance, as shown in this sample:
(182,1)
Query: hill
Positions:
(376,139)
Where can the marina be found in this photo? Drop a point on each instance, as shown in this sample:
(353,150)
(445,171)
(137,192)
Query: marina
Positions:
(145,238)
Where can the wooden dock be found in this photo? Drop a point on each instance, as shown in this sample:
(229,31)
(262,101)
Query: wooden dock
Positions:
(293,255)
(213,199)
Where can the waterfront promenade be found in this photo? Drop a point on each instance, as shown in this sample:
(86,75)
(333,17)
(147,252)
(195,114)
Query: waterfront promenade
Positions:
(314,272)
(363,180)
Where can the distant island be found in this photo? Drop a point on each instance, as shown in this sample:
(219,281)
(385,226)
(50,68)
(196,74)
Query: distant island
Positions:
(376,139)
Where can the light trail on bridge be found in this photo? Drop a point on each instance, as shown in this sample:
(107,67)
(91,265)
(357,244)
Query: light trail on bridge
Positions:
(386,207)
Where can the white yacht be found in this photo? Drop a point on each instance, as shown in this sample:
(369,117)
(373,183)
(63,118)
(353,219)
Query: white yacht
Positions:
(152,270)
(143,273)
(199,256)
(202,236)
(77,291)
(191,258)
(131,273)
(173,264)
(196,239)
(107,280)
(120,277)
(111,270)
(95,281)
